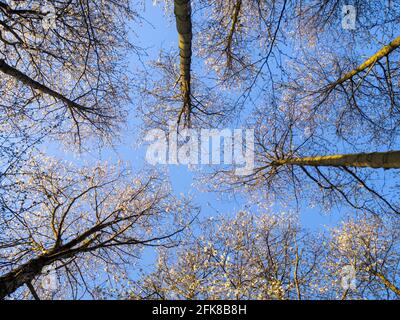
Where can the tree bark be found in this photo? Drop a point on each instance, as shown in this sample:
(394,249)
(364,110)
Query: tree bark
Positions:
(182,10)
(235,19)
(386,50)
(386,160)
(15,73)
(21,275)
(386,282)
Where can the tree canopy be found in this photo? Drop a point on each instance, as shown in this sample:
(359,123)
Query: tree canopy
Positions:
(317,81)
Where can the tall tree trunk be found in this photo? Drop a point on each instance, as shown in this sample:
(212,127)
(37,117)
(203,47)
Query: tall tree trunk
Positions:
(387,160)
(21,275)
(182,10)
(235,19)
(386,50)
(18,75)
(386,282)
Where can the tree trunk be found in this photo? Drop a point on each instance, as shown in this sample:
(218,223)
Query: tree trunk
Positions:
(182,10)
(386,160)
(386,282)
(235,19)
(386,50)
(21,275)
(18,75)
